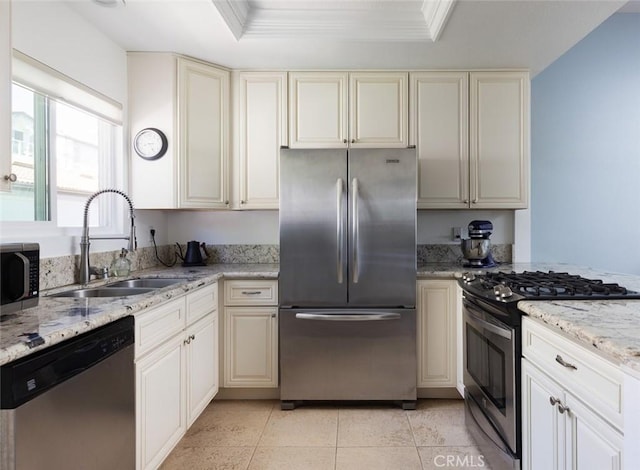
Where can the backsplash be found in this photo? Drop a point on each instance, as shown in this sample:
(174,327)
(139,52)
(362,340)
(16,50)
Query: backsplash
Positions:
(64,270)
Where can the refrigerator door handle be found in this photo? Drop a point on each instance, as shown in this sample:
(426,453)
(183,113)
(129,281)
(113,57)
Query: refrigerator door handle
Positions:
(339,316)
(339,229)
(355,230)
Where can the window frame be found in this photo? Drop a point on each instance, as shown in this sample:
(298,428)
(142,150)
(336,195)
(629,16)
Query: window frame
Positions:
(60,88)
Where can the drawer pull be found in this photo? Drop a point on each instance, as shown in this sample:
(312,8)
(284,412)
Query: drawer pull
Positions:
(562,408)
(562,362)
(554,401)
(251,292)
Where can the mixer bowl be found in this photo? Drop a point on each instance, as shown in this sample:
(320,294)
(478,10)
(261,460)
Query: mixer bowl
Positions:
(475,248)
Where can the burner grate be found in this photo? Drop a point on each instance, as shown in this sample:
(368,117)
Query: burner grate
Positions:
(553,285)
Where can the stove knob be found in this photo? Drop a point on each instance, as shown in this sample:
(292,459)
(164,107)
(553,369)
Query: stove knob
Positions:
(468,277)
(502,291)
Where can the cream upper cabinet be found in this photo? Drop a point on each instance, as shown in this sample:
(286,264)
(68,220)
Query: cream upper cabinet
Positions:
(341,109)
(188,100)
(471,131)
(261,101)
(5,94)
(499,139)
(437,333)
(439,111)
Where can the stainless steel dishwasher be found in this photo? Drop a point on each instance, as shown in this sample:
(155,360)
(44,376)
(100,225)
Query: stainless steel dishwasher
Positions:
(71,406)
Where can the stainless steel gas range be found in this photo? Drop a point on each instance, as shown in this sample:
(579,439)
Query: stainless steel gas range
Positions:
(492,350)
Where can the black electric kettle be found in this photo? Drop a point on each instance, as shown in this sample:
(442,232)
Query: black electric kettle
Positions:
(193,257)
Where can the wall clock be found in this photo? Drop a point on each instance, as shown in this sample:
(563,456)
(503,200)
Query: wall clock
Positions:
(150,143)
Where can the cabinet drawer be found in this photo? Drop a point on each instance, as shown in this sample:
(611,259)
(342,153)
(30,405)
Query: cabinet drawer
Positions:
(159,324)
(585,374)
(201,302)
(251,292)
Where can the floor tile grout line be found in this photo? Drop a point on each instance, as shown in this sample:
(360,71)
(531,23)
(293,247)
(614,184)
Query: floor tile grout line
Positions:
(255,448)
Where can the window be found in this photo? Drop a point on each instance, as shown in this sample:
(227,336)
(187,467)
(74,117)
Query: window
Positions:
(66,145)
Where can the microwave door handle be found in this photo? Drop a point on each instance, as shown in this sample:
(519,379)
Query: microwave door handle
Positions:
(339,229)
(26,268)
(500,331)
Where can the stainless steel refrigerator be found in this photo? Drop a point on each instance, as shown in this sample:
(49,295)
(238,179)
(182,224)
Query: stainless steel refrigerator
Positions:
(347,284)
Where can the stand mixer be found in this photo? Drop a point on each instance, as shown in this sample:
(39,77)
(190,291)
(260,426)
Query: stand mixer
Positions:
(477,248)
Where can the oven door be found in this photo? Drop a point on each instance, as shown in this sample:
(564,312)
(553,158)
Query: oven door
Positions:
(489,370)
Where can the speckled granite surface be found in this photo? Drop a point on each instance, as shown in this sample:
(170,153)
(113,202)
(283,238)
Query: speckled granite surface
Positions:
(613,327)
(56,319)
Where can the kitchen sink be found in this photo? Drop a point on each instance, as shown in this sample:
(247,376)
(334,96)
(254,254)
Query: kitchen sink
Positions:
(104,292)
(153,282)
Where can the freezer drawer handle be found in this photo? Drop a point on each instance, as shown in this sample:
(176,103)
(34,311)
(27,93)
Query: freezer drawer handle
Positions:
(348,317)
(339,228)
(355,231)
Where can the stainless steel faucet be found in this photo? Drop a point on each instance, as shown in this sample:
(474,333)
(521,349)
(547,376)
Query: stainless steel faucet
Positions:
(85,269)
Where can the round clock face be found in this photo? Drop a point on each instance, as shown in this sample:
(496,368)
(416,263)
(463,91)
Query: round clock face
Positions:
(150,143)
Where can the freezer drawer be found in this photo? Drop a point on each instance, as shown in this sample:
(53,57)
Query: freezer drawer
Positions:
(354,354)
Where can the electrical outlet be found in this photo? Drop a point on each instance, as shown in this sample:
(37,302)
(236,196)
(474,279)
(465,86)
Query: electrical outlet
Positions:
(456,234)
(152,233)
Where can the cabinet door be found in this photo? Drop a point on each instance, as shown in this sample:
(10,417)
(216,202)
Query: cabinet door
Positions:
(439,113)
(318,109)
(160,403)
(5,94)
(592,442)
(378,109)
(262,130)
(543,427)
(251,347)
(499,139)
(203,100)
(437,356)
(202,365)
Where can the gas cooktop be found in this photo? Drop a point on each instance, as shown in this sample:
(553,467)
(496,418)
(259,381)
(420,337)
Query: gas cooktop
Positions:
(539,285)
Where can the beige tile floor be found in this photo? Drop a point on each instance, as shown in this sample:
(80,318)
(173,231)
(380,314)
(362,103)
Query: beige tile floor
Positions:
(257,435)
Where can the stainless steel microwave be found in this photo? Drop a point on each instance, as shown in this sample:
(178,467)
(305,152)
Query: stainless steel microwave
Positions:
(19,276)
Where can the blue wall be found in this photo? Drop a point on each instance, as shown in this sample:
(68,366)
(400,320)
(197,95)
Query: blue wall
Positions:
(585,151)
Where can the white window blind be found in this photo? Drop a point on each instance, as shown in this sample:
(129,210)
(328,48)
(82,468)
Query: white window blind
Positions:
(33,74)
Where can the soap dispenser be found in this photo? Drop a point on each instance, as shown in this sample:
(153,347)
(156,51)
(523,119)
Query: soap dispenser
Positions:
(121,266)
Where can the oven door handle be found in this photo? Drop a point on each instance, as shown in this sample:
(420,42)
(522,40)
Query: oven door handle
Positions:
(473,317)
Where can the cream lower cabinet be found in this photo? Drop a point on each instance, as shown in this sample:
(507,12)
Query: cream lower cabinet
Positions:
(571,405)
(251,334)
(437,333)
(176,371)
(341,109)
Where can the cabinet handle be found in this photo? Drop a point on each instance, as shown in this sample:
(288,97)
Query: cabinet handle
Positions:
(242,202)
(562,408)
(466,201)
(475,201)
(554,401)
(353,141)
(226,203)
(186,341)
(192,337)
(11,177)
(562,362)
(344,141)
(273,315)
(251,292)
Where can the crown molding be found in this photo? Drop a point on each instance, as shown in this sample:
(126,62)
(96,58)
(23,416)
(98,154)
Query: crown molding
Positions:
(423,23)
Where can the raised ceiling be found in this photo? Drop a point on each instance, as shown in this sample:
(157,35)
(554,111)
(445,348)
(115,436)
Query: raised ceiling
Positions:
(476,34)
(350,20)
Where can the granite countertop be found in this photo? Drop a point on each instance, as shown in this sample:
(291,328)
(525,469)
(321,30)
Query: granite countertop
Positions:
(612,327)
(56,319)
